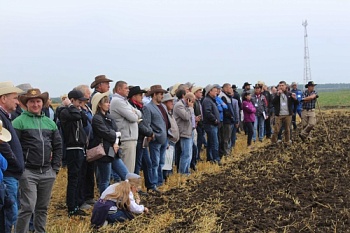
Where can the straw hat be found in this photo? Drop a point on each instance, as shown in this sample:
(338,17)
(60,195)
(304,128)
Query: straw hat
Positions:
(96,99)
(5,135)
(195,89)
(8,87)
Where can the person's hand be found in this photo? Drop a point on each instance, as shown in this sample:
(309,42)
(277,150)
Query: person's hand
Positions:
(313,96)
(115,147)
(198,118)
(294,96)
(146,210)
(190,103)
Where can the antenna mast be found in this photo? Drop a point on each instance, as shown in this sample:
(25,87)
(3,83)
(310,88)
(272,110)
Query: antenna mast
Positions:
(307,69)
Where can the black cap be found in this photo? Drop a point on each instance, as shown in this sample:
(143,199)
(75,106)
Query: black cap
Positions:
(75,94)
(234,86)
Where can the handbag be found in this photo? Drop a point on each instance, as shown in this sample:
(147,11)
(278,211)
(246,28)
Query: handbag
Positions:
(95,153)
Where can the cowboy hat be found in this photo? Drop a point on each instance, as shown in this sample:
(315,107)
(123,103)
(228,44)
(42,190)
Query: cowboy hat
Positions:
(174,88)
(25,87)
(209,87)
(310,83)
(33,93)
(156,89)
(135,90)
(167,97)
(5,135)
(195,89)
(8,87)
(96,100)
(246,84)
(100,79)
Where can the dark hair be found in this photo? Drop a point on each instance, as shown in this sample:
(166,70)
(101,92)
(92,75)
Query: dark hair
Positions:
(245,95)
(180,93)
(283,82)
(118,84)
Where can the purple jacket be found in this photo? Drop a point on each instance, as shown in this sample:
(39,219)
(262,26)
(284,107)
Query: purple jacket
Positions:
(248,111)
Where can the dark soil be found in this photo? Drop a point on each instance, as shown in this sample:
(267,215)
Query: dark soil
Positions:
(300,188)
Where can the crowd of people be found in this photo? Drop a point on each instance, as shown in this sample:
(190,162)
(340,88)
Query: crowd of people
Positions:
(133,129)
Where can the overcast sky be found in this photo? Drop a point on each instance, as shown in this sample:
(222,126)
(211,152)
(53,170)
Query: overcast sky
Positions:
(56,45)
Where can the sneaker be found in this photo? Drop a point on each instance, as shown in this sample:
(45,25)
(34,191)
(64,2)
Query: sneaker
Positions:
(85,206)
(142,193)
(154,191)
(77,212)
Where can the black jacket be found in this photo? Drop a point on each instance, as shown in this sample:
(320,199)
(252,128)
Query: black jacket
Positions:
(211,113)
(276,102)
(144,130)
(104,129)
(12,150)
(238,98)
(73,122)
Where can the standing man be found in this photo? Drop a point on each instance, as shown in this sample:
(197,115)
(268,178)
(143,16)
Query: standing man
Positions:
(308,116)
(297,108)
(126,118)
(260,104)
(41,142)
(155,116)
(8,103)
(198,112)
(283,103)
(211,121)
(101,85)
(73,121)
(183,112)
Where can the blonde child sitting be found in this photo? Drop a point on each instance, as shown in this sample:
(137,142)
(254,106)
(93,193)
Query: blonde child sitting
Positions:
(118,203)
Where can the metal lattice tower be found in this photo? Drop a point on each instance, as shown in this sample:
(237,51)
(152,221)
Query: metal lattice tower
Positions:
(307,69)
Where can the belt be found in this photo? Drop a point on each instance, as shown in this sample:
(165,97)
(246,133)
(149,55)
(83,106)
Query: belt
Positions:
(310,109)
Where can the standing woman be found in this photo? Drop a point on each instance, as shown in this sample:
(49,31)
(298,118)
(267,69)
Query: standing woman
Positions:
(105,131)
(249,116)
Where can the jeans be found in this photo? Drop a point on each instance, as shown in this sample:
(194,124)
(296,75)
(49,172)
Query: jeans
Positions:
(161,163)
(8,215)
(143,161)
(119,167)
(118,216)
(35,194)
(157,151)
(212,142)
(259,121)
(186,155)
(104,171)
(75,159)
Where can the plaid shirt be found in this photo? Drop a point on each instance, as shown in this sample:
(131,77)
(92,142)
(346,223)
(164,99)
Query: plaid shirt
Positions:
(309,104)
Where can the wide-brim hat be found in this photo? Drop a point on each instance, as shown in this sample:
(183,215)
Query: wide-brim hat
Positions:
(34,93)
(167,97)
(258,85)
(96,100)
(195,89)
(156,89)
(246,84)
(24,87)
(174,88)
(209,87)
(8,87)
(234,86)
(135,90)
(100,79)
(5,135)
(310,83)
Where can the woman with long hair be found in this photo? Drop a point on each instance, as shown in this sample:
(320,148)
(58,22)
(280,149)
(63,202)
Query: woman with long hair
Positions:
(105,131)
(118,202)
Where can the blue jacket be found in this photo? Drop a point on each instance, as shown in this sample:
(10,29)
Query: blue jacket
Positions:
(3,166)
(221,107)
(299,95)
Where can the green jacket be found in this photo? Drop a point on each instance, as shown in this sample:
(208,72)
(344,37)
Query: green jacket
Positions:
(40,140)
